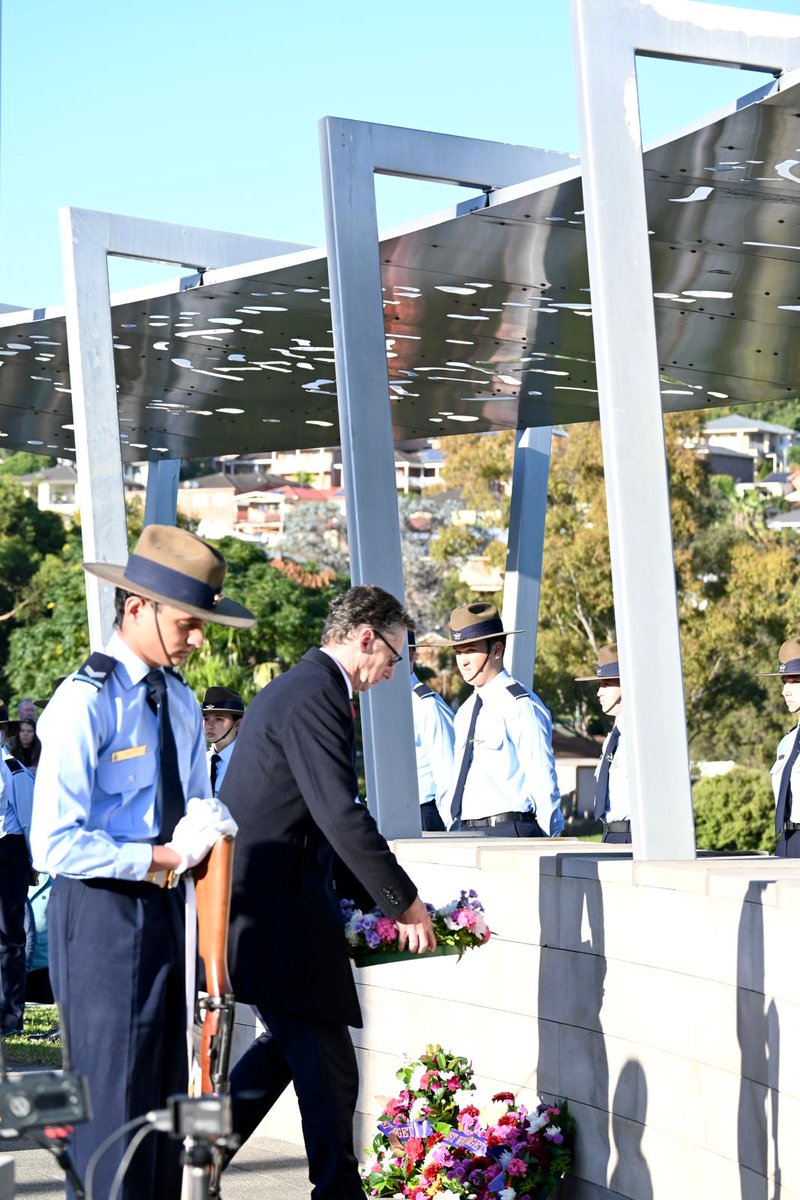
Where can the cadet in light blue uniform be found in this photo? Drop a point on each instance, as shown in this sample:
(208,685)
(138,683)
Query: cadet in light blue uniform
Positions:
(122,806)
(434,738)
(785,772)
(612,787)
(506,782)
(223,709)
(15,876)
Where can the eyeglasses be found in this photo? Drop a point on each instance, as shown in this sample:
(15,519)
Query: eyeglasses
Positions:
(396,658)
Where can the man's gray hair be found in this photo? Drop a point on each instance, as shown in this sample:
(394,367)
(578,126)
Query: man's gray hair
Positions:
(366,604)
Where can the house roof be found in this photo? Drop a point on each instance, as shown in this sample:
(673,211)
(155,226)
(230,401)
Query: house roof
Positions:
(61,473)
(722,452)
(736,423)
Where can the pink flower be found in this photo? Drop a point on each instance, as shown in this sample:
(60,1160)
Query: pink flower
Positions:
(465,918)
(516,1167)
(453,1084)
(386,929)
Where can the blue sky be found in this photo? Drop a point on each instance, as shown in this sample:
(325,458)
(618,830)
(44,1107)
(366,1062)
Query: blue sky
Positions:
(206,112)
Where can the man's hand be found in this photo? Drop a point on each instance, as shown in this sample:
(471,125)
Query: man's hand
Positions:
(416,929)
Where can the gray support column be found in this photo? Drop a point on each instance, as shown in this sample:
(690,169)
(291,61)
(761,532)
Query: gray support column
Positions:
(351,152)
(98,457)
(607,34)
(523,581)
(86,239)
(161,496)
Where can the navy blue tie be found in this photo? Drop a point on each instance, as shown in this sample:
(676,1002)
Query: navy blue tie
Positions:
(601,784)
(466,762)
(171,800)
(216,759)
(783,809)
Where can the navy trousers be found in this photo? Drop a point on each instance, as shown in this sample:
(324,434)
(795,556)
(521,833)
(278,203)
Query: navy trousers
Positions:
(117,967)
(14,876)
(318,1058)
(788,844)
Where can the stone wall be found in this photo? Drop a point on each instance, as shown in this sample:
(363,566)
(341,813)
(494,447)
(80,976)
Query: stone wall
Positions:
(660,999)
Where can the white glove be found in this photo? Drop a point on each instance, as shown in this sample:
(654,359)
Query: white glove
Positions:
(206,821)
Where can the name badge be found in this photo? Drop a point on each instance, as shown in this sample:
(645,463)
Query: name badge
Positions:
(131,752)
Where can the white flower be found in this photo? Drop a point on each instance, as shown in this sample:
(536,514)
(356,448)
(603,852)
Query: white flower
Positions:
(445,1075)
(414,1081)
(505,1158)
(507,1193)
(463,1097)
(536,1122)
(493,1111)
(552,1131)
(418,1109)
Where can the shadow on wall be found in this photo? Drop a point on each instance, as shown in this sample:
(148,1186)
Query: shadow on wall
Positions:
(572,1055)
(631,1175)
(758,1033)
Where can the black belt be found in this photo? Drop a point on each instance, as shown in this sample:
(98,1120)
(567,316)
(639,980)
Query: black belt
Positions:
(618,826)
(497,819)
(790,826)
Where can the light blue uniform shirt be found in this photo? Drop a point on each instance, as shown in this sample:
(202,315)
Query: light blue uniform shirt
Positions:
(618,803)
(18,787)
(434,738)
(513,768)
(9,821)
(95,812)
(776,771)
(222,765)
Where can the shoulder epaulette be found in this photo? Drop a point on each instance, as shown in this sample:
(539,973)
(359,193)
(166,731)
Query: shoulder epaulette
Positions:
(95,670)
(14,766)
(422,690)
(517,690)
(175,673)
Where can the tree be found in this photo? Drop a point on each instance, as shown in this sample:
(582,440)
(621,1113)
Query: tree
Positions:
(25,463)
(734,811)
(316,533)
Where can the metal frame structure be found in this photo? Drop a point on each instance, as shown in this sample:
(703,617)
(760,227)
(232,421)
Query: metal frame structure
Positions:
(608,34)
(352,152)
(87,238)
(522,587)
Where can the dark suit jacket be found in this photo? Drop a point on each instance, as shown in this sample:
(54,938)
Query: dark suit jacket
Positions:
(291,786)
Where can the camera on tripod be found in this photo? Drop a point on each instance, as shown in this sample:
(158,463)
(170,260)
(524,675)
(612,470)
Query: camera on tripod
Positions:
(39,1099)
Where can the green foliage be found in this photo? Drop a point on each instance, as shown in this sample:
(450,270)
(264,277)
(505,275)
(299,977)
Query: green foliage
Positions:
(24,463)
(735,811)
(289,620)
(793,455)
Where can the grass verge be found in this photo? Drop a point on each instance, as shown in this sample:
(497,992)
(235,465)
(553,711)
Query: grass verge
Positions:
(21,1050)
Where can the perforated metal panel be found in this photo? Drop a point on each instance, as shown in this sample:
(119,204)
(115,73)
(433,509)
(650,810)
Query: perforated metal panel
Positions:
(488,315)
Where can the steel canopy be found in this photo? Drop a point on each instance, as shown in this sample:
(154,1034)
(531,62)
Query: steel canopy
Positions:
(487,311)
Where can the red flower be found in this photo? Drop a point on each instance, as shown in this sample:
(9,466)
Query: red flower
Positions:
(414,1149)
(509,1096)
(509,1119)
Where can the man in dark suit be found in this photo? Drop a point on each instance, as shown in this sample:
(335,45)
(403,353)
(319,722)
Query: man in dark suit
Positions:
(293,790)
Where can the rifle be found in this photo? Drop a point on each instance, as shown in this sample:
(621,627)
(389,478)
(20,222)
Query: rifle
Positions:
(212,881)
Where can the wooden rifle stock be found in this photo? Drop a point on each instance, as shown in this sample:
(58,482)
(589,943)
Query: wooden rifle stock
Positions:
(212,881)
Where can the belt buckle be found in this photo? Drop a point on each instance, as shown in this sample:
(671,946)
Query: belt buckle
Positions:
(166,878)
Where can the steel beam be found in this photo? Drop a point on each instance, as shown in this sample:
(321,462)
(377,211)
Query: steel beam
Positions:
(523,580)
(607,36)
(86,239)
(161,495)
(351,152)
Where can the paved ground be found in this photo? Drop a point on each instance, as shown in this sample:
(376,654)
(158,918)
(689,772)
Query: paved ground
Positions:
(264,1168)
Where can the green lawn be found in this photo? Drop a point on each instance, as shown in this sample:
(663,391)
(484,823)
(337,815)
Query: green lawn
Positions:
(20,1049)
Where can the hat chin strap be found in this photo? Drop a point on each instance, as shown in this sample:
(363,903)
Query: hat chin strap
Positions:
(475,674)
